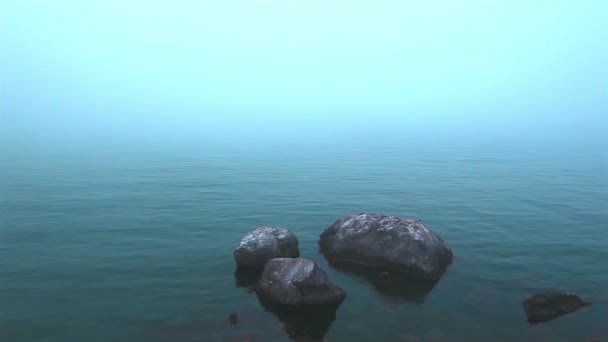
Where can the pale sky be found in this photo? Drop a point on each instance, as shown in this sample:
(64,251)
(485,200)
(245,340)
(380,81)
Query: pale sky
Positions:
(117,63)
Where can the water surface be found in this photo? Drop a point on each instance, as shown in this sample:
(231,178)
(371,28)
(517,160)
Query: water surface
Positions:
(136,245)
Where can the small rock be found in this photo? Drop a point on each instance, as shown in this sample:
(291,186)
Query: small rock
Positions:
(263,244)
(233,318)
(297,282)
(551,304)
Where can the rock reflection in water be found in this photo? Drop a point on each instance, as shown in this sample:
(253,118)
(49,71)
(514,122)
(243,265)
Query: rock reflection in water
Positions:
(301,324)
(199,331)
(391,286)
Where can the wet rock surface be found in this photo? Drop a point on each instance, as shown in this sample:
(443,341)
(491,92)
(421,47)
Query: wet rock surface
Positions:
(387,242)
(297,282)
(263,244)
(551,304)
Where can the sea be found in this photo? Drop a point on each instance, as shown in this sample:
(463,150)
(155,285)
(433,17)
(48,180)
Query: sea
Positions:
(135,243)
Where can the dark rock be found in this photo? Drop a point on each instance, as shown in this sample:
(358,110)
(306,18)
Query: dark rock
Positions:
(551,304)
(382,278)
(263,244)
(297,282)
(247,278)
(233,318)
(388,242)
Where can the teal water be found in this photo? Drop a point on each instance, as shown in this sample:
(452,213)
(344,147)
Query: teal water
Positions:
(137,245)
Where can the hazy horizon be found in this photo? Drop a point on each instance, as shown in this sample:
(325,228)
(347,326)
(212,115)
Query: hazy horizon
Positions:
(97,72)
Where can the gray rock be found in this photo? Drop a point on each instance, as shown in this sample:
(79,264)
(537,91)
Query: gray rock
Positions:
(551,304)
(297,282)
(386,242)
(263,244)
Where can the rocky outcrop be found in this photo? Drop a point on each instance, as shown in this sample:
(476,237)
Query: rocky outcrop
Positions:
(263,244)
(297,282)
(386,242)
(551,304)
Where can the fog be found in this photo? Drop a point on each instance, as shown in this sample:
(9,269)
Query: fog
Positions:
(93,73)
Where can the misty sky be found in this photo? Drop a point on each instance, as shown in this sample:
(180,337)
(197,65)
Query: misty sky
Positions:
(107,68)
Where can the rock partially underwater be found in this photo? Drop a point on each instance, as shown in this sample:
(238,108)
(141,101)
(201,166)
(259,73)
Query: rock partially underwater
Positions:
(263,244)
(390,287)
(386,242)
(297,282)
(551,304)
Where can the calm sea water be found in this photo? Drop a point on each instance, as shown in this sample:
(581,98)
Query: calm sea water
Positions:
(137,245)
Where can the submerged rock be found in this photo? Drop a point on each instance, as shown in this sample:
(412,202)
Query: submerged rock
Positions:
(263,244)
(551,304)
(233,318)
(308,323)
(386,242)
(297,282)
(391,287)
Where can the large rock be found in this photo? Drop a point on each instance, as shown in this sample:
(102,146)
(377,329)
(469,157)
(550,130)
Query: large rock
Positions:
(551,304)
(297,282)
(263,244)
(386,242)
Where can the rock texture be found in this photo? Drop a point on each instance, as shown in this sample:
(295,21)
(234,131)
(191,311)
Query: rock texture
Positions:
(263,244)
(386,242)
(297,282)
(551,304)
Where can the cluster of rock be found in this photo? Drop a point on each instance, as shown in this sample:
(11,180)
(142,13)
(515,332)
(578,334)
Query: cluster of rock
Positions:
(286,279)
(380,241)
(383,243)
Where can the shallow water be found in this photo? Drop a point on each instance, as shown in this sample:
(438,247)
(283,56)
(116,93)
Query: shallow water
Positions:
(137,245)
